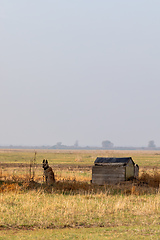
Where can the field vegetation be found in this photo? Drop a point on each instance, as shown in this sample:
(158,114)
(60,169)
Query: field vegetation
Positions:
(78,157)
(72,205)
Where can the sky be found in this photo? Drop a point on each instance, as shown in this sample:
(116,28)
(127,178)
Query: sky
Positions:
(83,70)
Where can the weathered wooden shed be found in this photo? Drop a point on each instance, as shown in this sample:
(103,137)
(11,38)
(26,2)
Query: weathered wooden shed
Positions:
(113,170)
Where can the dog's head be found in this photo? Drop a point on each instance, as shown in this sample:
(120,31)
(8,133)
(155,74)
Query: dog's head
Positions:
(45,164)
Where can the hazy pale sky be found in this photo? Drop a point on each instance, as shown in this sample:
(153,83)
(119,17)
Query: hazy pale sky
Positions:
(83,70)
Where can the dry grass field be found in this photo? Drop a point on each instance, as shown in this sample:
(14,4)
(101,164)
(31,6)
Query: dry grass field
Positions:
(73,207)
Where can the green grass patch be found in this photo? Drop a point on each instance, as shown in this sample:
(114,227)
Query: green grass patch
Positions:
(114,233)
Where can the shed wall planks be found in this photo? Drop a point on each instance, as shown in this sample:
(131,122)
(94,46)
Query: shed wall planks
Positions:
(107,174)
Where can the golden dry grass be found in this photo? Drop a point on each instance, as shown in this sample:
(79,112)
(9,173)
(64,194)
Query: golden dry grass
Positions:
(73,201)
(40,210)
(148,183)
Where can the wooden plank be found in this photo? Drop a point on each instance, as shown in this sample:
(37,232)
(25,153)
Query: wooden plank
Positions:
(108,169)
(107,181)
(107,177)
(109,173)
(104,167)
(99,168)
(102,182)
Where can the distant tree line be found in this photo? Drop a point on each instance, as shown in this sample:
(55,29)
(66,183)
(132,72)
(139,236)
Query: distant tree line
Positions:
(106,144)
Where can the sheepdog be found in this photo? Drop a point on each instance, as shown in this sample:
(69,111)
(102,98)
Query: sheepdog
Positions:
(48,173)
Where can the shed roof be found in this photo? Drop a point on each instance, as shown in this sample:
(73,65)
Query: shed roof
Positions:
(103,160)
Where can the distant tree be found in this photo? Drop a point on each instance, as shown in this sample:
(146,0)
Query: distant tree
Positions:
(59,144)
(151,144)
(76,143)
(107,144)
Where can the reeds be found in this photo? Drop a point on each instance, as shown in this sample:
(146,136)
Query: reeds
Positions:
(148,183)
(152,178)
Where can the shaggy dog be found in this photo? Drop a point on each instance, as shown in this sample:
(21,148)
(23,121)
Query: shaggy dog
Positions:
(48,173)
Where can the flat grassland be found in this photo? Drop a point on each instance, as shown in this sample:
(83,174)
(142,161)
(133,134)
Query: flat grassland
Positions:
(78,157)
(73,208)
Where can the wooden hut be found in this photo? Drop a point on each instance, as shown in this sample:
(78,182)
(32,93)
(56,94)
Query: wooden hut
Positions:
(113,170)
